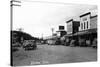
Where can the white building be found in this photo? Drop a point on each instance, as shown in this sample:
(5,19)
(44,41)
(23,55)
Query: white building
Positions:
(85,21)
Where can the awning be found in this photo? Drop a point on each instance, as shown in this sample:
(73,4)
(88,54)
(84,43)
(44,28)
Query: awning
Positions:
(68,35)
(89,31)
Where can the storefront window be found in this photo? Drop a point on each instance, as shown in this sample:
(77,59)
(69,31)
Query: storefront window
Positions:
(84,25)
(81,25)
(87,24)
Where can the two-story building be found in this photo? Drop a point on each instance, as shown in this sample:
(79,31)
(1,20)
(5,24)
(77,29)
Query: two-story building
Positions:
(61,32)
(88,28)
(72,27)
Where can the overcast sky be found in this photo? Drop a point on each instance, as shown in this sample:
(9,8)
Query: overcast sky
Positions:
(37,18)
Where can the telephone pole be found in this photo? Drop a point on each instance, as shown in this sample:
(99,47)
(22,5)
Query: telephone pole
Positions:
(52,29)
(11,19)
(11,9)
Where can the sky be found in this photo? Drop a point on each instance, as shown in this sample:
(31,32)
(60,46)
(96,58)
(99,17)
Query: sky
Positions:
(37,18)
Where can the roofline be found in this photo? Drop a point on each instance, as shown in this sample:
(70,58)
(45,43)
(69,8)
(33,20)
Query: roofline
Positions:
(69,20)
(93,16)
(60,30)
(85,14)
(76,21)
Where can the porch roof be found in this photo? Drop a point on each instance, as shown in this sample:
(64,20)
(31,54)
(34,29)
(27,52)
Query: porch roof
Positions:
(89,31)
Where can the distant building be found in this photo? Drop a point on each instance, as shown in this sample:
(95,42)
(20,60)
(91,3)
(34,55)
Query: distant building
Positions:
(50,40)
(61,32)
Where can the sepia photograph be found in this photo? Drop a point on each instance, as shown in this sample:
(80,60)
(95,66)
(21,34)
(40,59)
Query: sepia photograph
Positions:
(45,33)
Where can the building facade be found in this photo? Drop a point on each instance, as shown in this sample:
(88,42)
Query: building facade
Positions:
(87,22)
(83,31)
(84,22)
(61,32)
(69,26)
(93,20)
(87,30)
(72,26)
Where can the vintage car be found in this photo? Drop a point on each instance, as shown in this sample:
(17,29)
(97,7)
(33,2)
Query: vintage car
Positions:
(72,43)
(29,45)
(94,43)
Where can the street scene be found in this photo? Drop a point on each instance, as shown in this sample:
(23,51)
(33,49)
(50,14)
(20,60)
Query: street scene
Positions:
(46,54)
(52,33)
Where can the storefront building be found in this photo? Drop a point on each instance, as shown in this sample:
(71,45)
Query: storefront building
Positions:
(87,30)
(82,32)
(72,27)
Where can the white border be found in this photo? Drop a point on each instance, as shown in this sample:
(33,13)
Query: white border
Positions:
(5,34)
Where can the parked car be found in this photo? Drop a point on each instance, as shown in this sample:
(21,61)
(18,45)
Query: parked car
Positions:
(29,45)
(67,42)
(72,43)
(58,41)
(94,43)
(82,42)
(88,42)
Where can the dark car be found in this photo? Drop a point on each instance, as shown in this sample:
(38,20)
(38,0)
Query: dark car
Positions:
(72,43)
(29,45)
(94,43)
